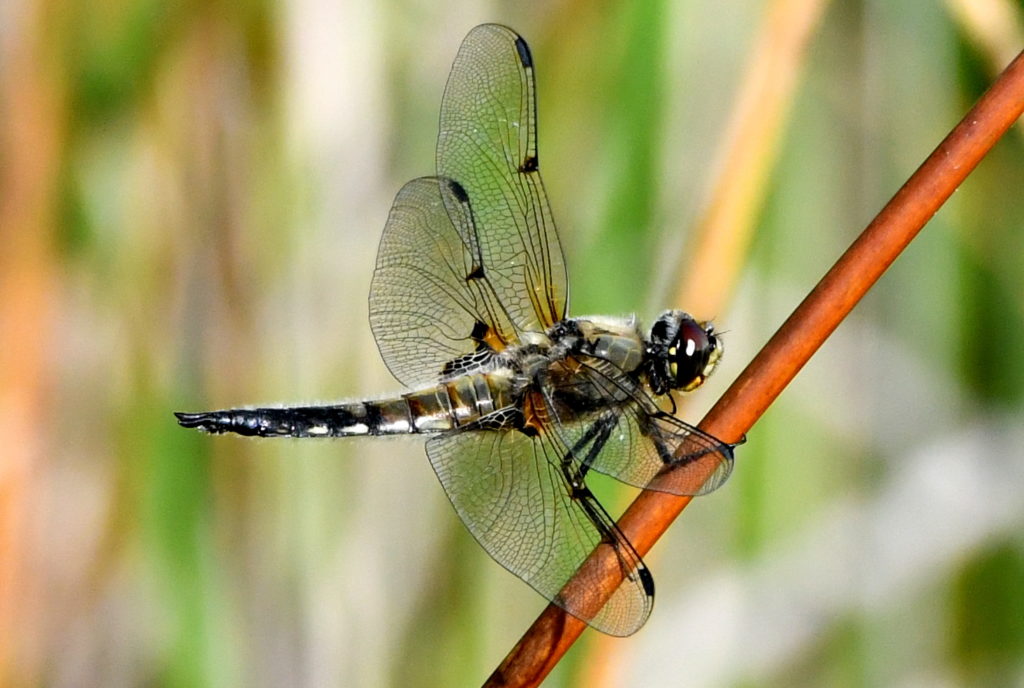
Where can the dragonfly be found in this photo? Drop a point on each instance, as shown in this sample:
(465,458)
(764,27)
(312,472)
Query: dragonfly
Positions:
(518,402)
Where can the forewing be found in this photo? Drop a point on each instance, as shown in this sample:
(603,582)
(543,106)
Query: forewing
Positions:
(623,433)
(426,308)
(510,493)
(488,143)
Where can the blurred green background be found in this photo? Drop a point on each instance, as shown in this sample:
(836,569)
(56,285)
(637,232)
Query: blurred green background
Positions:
(191,196)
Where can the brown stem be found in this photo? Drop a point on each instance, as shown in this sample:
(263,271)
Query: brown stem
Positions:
(793,344)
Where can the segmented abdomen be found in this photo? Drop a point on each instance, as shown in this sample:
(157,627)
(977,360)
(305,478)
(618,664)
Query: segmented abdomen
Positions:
(435,409)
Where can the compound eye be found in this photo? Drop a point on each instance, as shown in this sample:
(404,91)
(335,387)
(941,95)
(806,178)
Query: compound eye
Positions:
(689,353)
(693,340)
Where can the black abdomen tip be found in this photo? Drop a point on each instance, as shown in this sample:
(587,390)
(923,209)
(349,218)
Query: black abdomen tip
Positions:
(207,422)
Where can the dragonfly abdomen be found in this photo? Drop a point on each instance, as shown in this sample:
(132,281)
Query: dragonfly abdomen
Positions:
(458,401)
(384,417)
(434,409)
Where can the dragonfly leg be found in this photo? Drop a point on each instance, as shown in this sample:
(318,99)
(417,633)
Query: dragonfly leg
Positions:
(574,470)
(596,436)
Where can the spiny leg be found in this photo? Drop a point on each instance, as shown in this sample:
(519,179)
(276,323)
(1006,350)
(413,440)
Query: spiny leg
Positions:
(596,436)
(574,470)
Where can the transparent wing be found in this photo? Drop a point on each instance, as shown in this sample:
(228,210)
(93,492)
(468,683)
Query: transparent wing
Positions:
(488,143)
(622,432)
(510,492)
(427,310)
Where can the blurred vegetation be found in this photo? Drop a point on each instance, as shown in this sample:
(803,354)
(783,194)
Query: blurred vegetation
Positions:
(190,200)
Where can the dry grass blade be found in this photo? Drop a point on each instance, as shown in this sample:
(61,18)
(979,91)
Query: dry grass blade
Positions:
(794,343)
(31,129)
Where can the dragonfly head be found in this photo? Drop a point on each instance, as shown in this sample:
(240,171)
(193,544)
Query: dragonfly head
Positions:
(681,352)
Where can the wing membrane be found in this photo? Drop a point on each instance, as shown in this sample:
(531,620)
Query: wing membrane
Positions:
(471,259)
(510,492)
(488,143)
(629,437)
(426,309)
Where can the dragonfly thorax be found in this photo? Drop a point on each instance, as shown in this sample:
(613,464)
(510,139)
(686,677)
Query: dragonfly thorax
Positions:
(681,352)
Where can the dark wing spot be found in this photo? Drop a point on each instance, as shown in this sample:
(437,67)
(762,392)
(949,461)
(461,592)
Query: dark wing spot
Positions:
(529,164)
(502,419)
(477,273)
(479,333)
(646,580)
(458,191)
(524,52)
